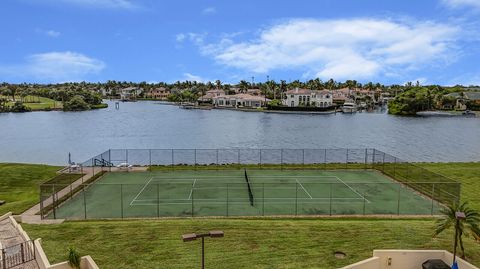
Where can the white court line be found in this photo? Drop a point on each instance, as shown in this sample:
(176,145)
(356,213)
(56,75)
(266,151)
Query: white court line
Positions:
(363,197)
(140,192)
(304,189)
(191,190)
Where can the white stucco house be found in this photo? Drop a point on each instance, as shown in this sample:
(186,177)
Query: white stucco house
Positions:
(239,100)
(305,97)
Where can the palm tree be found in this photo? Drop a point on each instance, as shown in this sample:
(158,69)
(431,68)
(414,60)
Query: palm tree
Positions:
(463,224)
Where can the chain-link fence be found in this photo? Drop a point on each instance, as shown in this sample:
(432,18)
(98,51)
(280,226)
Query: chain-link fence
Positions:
(410,189)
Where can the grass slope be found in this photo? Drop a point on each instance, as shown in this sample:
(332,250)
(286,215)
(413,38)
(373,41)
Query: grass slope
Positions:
(39,103)
(253,243)
(466,173)
(19,185)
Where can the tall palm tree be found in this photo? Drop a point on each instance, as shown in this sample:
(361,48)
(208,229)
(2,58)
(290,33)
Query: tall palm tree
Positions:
(467,225)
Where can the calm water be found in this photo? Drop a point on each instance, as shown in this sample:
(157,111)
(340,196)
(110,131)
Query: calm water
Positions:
(47,137)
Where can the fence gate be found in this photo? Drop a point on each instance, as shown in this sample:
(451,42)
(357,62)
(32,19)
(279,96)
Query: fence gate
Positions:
(17,254)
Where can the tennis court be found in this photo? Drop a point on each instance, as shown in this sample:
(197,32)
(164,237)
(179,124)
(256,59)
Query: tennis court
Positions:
(240,192)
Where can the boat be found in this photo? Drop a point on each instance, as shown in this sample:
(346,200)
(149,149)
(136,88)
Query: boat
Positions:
(349,107)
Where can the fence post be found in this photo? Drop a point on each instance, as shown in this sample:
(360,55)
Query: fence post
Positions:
(433,197)
(394,166)
(216,152)
(84,203)
(4,259)
(238,158)
(195,158)
(325,159)
(173,161)
(364,200)
(373,159)
(331,188)
(281,159)
(126,155)
(398,201)
(227,199)
(193,191)
(109,160)
(158,201)
(383,162)
(53,202)
(346,160)
(260,153)
(150,159)
(121,199)
(366,157)
(22,249)
(303,157)
(296,198)
(263,199)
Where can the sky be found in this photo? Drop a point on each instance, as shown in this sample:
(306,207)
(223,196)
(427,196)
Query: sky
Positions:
(391,42)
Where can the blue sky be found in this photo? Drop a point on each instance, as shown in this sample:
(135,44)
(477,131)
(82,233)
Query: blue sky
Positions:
(433,41)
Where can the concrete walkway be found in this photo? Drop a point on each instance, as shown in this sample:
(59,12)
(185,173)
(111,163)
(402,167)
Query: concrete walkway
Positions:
(10,237)
(31,215)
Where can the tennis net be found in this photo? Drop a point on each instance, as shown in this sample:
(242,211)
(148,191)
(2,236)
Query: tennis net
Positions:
(249,187)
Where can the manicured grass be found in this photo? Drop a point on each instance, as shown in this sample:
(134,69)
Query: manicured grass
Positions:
(39,103)
(466,173)
(19,185)
(248,243)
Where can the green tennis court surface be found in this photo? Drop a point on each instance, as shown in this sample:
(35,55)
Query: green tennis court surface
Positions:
(226,193)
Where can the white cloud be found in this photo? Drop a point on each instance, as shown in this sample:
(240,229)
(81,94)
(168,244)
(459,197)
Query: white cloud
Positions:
(197,39)
(55,67)
(120,4)
(50,33)
(340,48)
(209,10)
(191,77)
(461,3)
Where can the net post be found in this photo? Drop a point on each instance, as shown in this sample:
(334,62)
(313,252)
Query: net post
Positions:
(433,197)
(398,198)
(121,199)
(331,189)
(158,201)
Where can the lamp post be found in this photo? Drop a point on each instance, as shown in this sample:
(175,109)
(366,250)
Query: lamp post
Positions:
(193,236)
(458,216)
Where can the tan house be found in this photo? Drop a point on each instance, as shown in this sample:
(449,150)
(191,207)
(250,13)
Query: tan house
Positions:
(209,95)
(160,93)
(240,100)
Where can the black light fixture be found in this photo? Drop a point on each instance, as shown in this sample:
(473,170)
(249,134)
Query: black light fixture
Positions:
(194,236)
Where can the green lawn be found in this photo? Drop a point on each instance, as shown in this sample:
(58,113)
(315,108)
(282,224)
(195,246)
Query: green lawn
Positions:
(39,103)
(466,173)
(248,243)
(19,185)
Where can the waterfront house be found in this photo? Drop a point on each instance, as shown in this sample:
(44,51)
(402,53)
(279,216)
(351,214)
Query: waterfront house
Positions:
(160,93)
(209,95)
(465,98)
(240,100)
(130,93)
(305,97)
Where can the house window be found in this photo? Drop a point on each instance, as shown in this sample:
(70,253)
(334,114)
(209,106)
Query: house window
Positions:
(292,96)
